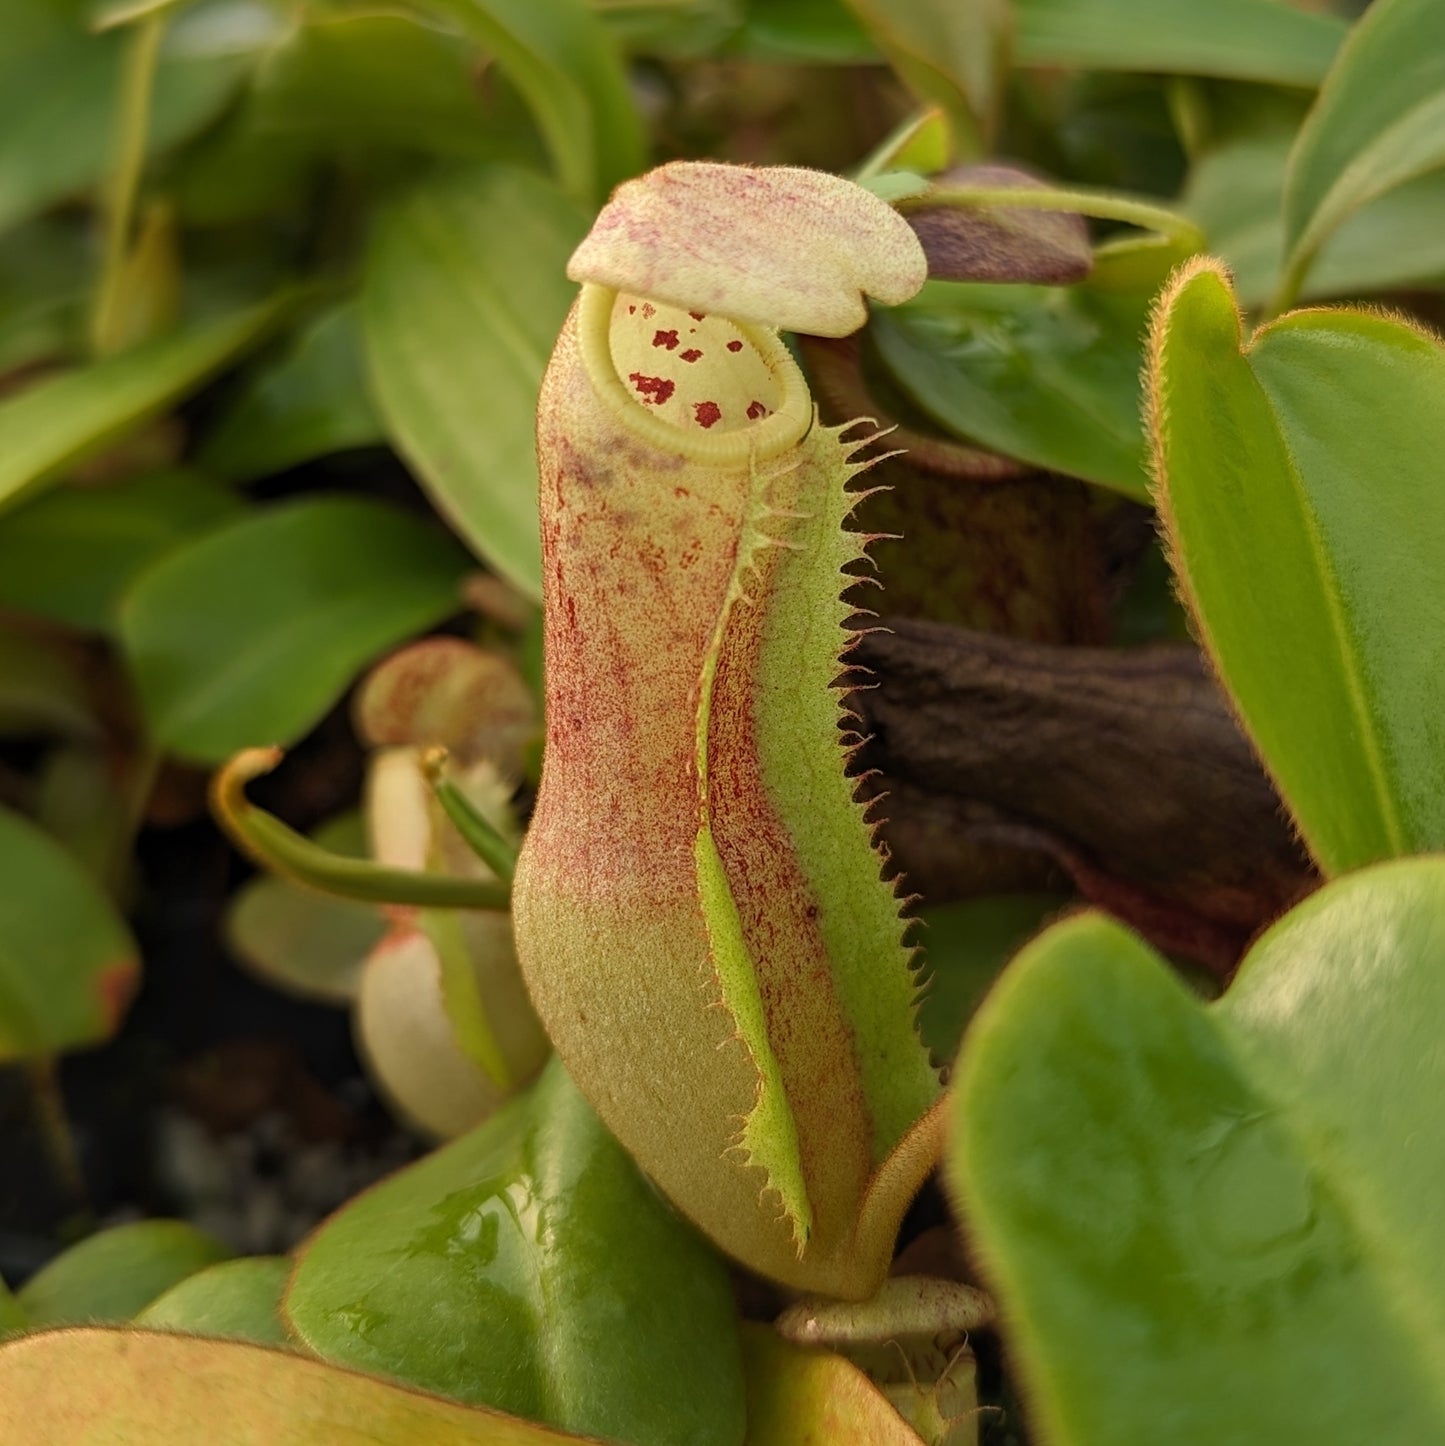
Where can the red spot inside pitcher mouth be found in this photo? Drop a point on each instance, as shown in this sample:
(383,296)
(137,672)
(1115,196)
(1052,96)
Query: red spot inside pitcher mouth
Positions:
(665,338)
(691,354)
(756,410)
(655,390)
(698,315)
(735,345)
(707,413)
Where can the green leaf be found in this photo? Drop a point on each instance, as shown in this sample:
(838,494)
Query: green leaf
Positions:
(310,402)
(1239,39)
(1169,1196)
(809,32)
(560,57)
(1307,463)
(530,1266)
(114,1274)
(1046,374)
(237,1299)
(465,292)
(250,634)
(1379,122)
(60,421)
(45,289)
(68,965)
(12,1313)
(349,83)
(1394,242)
(71,554)
(949,55)
(305,942)
(59,87)
(137,1388)
(966,946)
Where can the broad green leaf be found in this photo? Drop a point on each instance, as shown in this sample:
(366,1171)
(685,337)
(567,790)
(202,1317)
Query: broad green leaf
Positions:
(1240,39)
(112,1275)
(529,1266)
(302,941)
(1219,1223)
(310,402)
(250,634)
(1307,463)
(1046,374)
(965,946)
(560,56)
(465,290)
(138,1388)
(60,421)
(68,966)
(949,54)
(1379,122)
(237,1299)
(800,1397)
(59,87)
(352,83)
(43,688)
(1395,241)
(70,554)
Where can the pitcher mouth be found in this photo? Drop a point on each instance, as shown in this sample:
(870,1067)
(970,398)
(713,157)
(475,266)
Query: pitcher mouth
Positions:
(710,388)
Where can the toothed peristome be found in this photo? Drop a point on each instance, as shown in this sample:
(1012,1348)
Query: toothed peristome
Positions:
(699,906)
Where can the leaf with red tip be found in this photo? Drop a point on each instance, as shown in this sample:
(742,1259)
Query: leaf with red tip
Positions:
(68,965)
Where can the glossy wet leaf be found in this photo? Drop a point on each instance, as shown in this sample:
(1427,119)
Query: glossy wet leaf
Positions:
(1378,123)
(129,1388)
(1046,374)
(561,58)
(248,635)
(302,941)
(465,290)
(70,554)
(117,1272)
(235,1299)
(530,1266)
(1308,463)
(68,965)
(1168,1196)
(61,420)
(58,94)
(800,1397)
(1240,39)
(1394,242)
(310,402)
